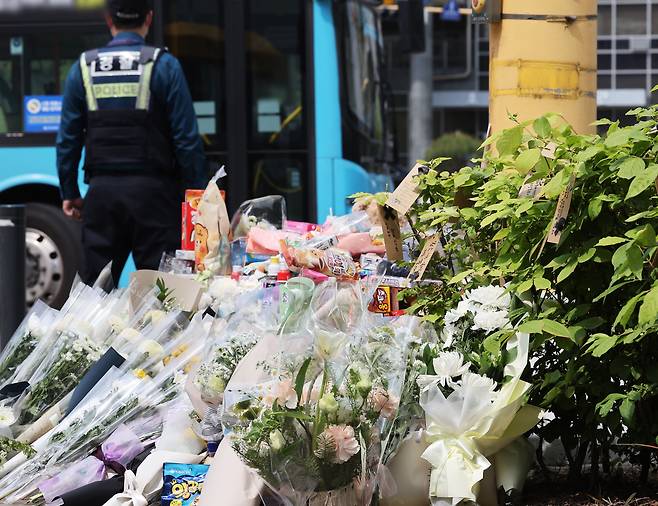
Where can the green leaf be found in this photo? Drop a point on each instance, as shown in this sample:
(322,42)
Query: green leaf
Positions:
(605,406)
(555,186)
(523,208)
(542,283)
(509,141)
(501,234)
(631,167)
(602,344)
(460,277)
(592,323)
(301,379)
(642,181)
(594,208)
(611,241)
(626,312)
(649,308)
(549,326)
(617,138)
(567,271)
(527,160)
(556,329)
(589,153)
(524,286)
(587,256)
(627,411)
(542,127)
(644,236)
(532,327)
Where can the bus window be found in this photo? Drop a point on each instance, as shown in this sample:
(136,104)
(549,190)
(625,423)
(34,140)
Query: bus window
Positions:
(277,142)
(275,81)
(360,43)
(35,66)
(194,33)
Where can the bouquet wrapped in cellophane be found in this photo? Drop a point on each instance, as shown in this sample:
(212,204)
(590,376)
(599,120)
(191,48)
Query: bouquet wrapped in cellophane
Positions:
(257,314)
(120,397)
(311,420)
(26,338)
(474,399)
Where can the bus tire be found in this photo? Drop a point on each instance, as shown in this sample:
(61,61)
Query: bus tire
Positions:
(53,254)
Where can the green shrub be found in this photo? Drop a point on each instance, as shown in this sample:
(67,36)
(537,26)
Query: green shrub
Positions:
(458,146)
(589,302)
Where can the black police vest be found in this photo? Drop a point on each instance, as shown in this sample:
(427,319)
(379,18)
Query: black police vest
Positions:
(127,129)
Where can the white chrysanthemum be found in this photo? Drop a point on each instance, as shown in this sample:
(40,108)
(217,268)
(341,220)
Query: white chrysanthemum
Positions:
(449,365)
(117,323)
(223,287)
(34,325)
(491,296)
(490,321)
(129,334)
(151,348)
(154,316)
(7,417)
(448,335)
(452,316)
(64,323)
(471,380)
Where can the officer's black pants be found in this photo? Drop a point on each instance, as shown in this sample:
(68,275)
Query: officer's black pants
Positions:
(124,213)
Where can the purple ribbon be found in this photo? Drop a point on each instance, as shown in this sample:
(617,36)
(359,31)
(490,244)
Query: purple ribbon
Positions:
(114,454)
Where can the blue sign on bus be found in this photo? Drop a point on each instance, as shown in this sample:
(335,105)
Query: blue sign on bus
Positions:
(41,113)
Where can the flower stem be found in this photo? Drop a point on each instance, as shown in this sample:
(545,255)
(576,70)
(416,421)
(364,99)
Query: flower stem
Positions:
(318,414)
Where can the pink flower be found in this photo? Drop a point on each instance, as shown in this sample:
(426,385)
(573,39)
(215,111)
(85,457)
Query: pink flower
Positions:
(283,392)
(343,438)
(384,403)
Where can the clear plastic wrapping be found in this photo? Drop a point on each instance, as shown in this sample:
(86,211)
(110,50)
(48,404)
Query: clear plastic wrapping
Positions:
(308,410)
(26,338)
(264,212)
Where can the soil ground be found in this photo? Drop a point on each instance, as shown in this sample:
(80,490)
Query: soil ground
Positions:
(611,492)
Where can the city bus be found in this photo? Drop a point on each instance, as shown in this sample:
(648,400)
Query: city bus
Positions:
(289,96)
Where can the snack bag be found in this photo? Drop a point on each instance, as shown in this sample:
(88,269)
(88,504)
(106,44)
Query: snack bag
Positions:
(211,228)
(190,208)
(183,483)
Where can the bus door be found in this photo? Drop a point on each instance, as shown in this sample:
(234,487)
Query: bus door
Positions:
(245,61)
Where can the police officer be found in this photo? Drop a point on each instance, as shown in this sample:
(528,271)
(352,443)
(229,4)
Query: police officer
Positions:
(129,106)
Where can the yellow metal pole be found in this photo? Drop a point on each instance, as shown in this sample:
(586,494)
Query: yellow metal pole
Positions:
(543,59)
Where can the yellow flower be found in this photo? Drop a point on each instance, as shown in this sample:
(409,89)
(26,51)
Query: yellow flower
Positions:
(140,373)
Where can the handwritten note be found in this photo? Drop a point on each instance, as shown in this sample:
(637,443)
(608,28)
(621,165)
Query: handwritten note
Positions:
(561,213)
(549,150)
(391,229)
(531,189)
(406,193)
(425,256)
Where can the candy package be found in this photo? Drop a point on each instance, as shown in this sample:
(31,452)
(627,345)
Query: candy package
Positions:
(182,483)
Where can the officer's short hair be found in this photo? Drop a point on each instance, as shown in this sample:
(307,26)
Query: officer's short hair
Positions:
(129,13)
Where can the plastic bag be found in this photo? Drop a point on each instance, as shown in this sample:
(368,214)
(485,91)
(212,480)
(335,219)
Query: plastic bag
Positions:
(264,212)
(212,230)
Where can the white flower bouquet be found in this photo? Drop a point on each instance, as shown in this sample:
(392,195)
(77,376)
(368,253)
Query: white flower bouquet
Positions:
(313,430)
(25,339)
(470,417)
(227,347)
(120,397)
(481,312)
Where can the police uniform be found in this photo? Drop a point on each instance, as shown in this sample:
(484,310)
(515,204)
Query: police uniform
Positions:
(128,104)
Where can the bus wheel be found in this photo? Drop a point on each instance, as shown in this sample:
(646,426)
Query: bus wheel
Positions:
(53,254)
